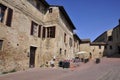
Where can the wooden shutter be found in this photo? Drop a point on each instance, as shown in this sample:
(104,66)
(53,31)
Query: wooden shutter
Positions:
(53,33)
(48,32)
(44,32)
(39,31)
(32,26)
(9,17)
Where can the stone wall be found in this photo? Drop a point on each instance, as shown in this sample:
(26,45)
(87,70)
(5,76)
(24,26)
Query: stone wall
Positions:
(97,51)
(17,40)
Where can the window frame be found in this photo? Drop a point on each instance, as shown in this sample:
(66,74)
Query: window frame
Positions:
(65,35)
(34,29)
(60,51)
(50,10)
(65,52)
(2,13)
(51,31)
(70,42)
(99,46)
(7,15)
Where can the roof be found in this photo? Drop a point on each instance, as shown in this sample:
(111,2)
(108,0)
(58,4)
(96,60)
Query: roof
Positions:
(85,41)
(100,36)
(116,27)
(44,2)
(76,36)
(61,8)
(98,43)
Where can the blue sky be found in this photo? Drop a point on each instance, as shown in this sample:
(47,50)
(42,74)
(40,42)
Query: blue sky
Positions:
(91,17)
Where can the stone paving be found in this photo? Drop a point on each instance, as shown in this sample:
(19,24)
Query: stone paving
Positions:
(107,69)
(113,74)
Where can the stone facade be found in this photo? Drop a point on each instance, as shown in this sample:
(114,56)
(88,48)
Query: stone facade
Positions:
(97,49)
(116,38)
(32,33)
(76,45)
(94,49)
(17,38)
(85,45)
(111,38)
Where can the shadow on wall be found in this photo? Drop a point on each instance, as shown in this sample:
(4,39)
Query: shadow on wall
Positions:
(114,56)
(110,54)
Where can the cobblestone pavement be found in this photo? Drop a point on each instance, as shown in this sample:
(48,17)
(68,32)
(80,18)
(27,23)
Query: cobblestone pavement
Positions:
(107,69)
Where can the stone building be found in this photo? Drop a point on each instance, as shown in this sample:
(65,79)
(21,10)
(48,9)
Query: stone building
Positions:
(116,38)
(94,49)
(85,45)
(32,32)
(111,38)
(106,37)
(76,45)
(20,33)
(62,43)
(97,49)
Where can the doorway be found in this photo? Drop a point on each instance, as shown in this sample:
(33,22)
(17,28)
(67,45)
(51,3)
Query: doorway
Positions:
(32,56)
(90,55)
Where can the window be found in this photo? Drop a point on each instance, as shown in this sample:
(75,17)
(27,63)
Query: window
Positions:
(99,46)
(8,15)
(64,37)
(2,12)
(110,47)
(105,46)
(38,5)
(51,32)
(60,50)
(34,28)
(70,42)
(65,52)
(50,10)
(1,44)
(110,38)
